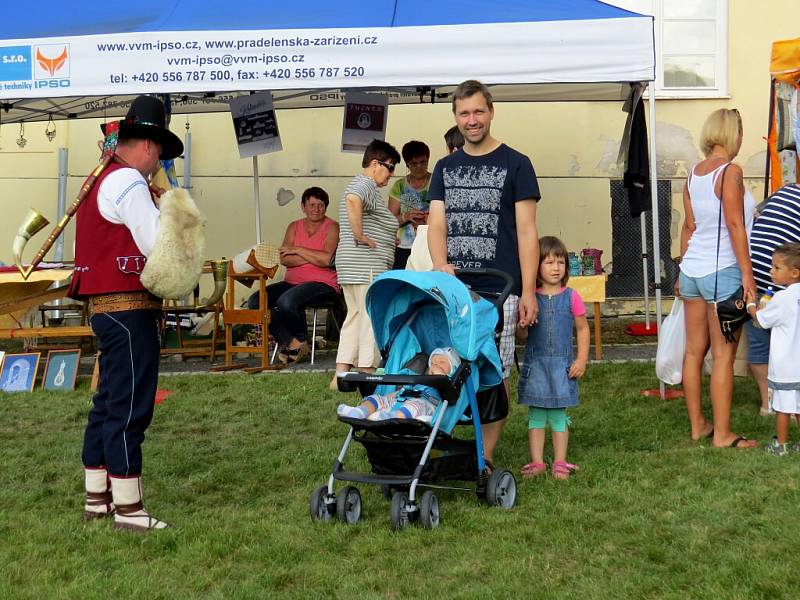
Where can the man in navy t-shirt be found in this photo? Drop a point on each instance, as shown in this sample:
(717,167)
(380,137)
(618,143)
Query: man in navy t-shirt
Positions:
(483,215)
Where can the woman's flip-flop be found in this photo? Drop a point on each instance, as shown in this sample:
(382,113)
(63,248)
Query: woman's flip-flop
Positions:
(737,442)
(295,355)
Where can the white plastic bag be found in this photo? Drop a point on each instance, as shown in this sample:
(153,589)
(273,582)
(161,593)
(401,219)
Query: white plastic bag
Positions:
(671,345)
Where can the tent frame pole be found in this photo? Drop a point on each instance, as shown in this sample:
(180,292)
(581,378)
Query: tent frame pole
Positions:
(657,274)
(61,202)
(645,270)
(187,159)
(257,199)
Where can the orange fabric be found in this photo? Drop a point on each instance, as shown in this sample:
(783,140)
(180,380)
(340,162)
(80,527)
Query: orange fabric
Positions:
(775,178)
(784,67)
(785,62)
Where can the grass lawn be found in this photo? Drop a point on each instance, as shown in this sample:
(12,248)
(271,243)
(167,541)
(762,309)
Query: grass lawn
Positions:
(230,461)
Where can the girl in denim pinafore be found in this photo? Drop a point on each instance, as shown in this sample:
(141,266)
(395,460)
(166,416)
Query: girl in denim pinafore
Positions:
(548,380)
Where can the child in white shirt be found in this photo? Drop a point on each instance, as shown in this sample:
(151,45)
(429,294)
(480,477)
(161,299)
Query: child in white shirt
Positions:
(782,316)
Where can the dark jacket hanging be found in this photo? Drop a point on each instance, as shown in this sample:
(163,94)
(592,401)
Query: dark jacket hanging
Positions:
(637,173)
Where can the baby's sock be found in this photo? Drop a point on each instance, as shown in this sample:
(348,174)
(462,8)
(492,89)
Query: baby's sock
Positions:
(380,415)
(354,412)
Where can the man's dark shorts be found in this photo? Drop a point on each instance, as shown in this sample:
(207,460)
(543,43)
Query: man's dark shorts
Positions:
(758,344)
(493,404)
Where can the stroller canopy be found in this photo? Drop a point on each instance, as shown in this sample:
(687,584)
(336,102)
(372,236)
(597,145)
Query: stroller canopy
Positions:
(466,321)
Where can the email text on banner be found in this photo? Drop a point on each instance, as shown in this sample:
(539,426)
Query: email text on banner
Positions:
(205,64)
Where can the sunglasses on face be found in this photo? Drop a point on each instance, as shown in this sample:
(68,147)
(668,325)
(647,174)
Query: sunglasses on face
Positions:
(389,166)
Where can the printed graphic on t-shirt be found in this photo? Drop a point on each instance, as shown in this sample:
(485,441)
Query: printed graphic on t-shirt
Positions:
(473,195)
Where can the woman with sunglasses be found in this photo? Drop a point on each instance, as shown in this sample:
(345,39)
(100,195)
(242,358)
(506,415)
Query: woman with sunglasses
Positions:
(408,198)
(366,249)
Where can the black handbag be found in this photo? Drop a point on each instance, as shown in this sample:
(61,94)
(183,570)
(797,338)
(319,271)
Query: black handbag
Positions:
(732,311)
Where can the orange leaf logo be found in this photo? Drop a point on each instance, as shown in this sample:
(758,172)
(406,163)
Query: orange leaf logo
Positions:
(51,65)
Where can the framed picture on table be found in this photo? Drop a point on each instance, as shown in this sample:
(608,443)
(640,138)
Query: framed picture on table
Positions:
(18,372)
(61,369)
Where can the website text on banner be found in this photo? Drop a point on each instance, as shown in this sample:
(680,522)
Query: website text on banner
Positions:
(201,61)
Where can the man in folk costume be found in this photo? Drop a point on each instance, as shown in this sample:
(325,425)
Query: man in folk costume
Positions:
(116,231)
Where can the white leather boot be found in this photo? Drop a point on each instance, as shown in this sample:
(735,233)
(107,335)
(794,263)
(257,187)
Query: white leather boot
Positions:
(99,502)
(130,513)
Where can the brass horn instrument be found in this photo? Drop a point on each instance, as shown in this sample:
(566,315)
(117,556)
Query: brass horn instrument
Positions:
(34,222)
(219,268)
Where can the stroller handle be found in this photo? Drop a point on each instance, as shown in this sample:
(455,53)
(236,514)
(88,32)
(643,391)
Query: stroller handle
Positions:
(509,282)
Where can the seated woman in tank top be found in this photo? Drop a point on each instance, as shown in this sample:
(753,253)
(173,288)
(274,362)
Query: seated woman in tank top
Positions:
(306,252)
(715,259)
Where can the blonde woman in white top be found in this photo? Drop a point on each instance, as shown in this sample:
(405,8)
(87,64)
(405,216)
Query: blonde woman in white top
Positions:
(711,181)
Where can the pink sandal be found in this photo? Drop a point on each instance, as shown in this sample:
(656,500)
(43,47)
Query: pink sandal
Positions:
(562,469)
(534,469)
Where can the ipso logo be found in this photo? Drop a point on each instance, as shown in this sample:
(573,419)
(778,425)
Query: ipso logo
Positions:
(51,62)
(51,83)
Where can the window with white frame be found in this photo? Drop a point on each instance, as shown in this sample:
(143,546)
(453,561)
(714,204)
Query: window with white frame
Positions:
(691,46)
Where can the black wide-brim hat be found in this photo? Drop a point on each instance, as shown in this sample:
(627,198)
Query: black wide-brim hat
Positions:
(146,120)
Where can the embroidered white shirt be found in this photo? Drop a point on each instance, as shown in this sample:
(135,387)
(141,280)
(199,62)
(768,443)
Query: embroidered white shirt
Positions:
(124,198)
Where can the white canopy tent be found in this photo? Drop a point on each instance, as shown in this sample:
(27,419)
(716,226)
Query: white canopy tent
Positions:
(71,60)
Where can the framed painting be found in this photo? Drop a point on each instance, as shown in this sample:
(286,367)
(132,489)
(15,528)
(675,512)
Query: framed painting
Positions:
(19,372)
(61,369)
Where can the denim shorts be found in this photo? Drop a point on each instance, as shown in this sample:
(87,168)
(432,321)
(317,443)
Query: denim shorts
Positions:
(758,344)
(728,281)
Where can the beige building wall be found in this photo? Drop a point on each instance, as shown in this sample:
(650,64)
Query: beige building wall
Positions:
(573,147)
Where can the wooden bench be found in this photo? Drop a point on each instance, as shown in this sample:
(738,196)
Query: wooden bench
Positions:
(47,332)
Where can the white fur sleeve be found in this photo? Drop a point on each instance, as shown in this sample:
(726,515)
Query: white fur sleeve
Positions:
(124,198)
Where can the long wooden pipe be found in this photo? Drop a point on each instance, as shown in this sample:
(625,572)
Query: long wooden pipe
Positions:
(21,239)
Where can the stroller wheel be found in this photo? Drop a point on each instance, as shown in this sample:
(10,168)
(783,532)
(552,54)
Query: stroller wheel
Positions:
(501,489)
(319,505)
(348,505)
(387,491)
(400,512)
(429,510)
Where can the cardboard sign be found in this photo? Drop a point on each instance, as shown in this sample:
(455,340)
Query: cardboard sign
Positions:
(255,125)
(364,120)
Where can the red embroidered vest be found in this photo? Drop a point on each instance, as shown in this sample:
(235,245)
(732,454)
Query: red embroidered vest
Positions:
(107,259)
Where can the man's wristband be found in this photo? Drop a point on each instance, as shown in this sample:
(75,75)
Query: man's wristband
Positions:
(749,304)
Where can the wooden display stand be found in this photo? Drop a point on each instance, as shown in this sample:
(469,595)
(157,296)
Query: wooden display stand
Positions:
(187,348)
(242,316)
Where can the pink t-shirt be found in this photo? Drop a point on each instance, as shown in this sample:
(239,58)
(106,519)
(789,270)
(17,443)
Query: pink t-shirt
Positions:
(308,272)
(578,307)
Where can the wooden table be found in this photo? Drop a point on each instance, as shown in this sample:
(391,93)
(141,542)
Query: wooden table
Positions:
(18,297)
(592,288)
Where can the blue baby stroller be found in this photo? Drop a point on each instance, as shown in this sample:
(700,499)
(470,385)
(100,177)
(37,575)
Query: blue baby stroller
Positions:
(413,313)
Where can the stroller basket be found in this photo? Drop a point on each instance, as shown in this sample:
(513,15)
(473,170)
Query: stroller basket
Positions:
(396,446)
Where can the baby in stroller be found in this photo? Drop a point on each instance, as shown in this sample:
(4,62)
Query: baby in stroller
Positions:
(410,401)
